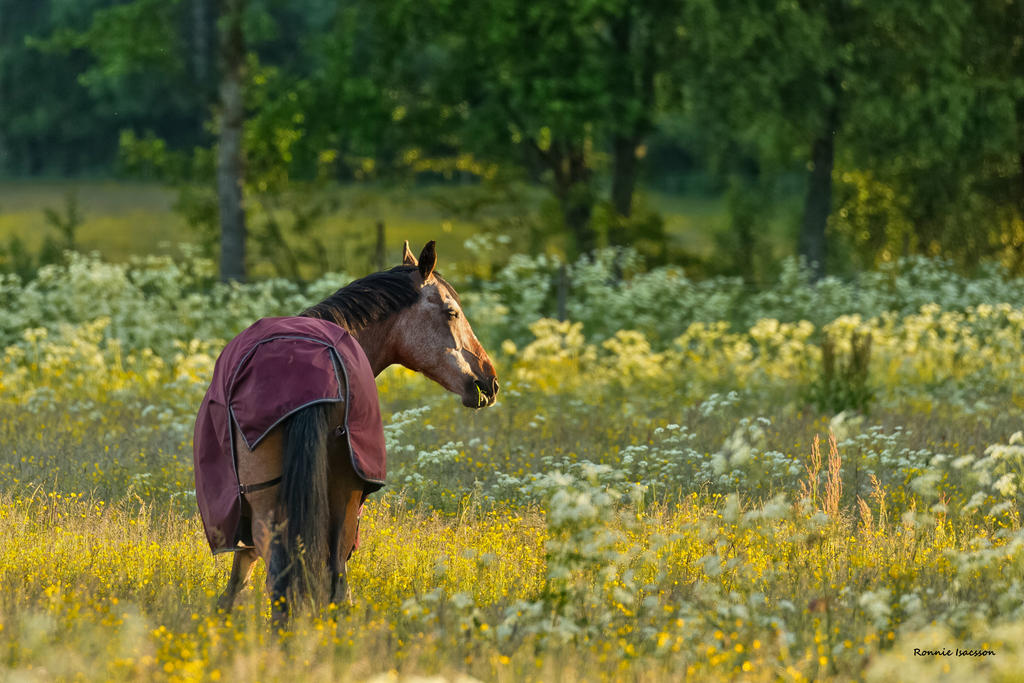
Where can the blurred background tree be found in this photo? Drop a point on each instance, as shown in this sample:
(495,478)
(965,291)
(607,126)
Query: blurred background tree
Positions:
(849,132)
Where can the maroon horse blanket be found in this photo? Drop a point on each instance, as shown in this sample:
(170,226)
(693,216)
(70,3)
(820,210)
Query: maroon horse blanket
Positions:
(272,369)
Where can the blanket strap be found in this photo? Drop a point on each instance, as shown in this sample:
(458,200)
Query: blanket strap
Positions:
(249,488)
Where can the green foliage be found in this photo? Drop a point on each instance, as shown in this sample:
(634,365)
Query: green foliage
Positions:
(76,74)
(18,259)
(129,42)
(845,382)
(745,249)
(68,223)
(572,98)
(643,230)
(546,90)
(871,222)
(48,120)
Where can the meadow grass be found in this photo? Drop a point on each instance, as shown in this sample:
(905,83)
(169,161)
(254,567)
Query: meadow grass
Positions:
(124,219)
(109,578)
(632,509)
(128,218)
(122,591)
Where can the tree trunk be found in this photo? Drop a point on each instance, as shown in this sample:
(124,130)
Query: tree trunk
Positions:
(1020,185)
(3,139)
(625,140)
(229,149)
(201,41)
(577,200)
(634,85)
(571,186)
(818,205)
(577,210)
(1018,246)
(624,172)
(562,289)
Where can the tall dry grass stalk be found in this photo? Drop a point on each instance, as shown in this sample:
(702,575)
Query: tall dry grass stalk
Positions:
(834,482)
(878,495)
(866,517)
(833,477)
(809,489)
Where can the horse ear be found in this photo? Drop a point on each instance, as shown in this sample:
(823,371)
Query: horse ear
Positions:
(407,258)
(428,259)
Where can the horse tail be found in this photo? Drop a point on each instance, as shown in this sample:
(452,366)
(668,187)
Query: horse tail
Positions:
(305,501)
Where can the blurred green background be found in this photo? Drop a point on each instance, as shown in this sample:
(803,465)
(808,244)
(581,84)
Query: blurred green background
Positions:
(722,136)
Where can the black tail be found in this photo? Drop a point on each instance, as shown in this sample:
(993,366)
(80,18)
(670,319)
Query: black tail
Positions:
(305,502)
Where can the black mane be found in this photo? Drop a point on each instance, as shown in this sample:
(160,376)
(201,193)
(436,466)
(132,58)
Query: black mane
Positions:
(369,299)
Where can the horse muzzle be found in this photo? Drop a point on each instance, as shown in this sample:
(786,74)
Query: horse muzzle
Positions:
(481,393)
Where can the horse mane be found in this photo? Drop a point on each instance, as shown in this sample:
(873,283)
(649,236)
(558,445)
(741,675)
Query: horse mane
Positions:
(369,299)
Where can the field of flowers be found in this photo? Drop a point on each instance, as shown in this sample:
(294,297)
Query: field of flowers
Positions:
(681,479)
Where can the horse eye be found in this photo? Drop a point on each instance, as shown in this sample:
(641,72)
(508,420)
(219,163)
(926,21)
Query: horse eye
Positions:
(452,314)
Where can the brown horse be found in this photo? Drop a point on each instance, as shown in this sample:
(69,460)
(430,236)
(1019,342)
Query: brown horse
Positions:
(305,527)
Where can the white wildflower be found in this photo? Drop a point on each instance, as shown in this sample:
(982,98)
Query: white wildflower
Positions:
(962,461)
(1001,508)
(976,501)
(876,605)
(925,485)
(1005,485)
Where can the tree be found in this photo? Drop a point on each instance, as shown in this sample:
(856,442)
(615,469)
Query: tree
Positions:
(146,46)
(73,75)
(546,88)
(229,148)
(290,100)
(40,95)
(828,81)
(645,39)
(933,166)
(536,73)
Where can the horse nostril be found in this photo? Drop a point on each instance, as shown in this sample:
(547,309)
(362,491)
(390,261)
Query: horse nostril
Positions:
(488,387)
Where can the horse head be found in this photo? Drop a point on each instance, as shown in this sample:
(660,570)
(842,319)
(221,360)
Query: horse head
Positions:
(434,337)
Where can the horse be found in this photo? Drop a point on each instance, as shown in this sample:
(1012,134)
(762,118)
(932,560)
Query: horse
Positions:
(302,495)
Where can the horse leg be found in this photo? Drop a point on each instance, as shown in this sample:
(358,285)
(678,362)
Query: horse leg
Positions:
(268,536)
(343,539)
(259,465)
(277,580)
(241,571)
(346,497)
